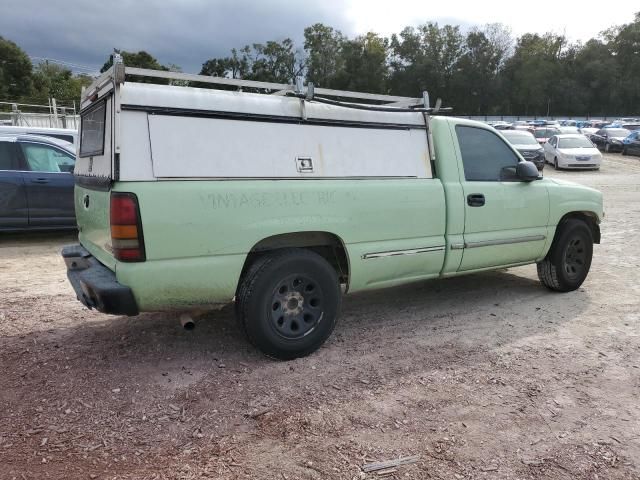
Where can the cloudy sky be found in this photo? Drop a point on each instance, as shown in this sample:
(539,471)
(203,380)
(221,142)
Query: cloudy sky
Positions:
(187,32)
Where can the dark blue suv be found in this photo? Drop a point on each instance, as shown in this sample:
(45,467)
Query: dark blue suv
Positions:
(36,183)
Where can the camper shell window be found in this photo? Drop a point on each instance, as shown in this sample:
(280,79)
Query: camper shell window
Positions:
(92,130)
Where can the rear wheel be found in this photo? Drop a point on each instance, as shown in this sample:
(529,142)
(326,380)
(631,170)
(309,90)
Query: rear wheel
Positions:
(567,264)
(288,303)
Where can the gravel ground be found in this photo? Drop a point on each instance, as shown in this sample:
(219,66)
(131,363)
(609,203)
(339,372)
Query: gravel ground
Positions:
(485,376)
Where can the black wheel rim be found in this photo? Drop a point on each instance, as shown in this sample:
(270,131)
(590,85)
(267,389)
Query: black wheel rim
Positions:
(575,258)
(296,307)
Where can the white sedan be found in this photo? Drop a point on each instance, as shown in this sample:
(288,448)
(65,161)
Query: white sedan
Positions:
(572,151)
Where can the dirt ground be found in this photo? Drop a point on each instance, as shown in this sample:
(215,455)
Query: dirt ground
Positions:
(488,376)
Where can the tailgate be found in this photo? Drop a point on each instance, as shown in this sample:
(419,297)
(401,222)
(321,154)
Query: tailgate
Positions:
(92,214)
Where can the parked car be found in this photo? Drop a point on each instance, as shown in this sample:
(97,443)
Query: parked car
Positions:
(524,127)
(588,131)
(631,126)
(568,129)
(67,134)
(500,125)
(631,144)
(36,183)
(284,239)
(543,134)
(620,121)
(610,139)
(527,145)
(572,151)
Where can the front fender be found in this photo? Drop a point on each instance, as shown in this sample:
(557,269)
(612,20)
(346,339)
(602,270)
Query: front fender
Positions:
(568,197)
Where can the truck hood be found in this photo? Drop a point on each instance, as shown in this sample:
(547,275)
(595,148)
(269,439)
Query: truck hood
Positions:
(568,183)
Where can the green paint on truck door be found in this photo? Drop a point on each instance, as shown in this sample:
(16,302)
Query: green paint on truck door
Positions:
(505,219)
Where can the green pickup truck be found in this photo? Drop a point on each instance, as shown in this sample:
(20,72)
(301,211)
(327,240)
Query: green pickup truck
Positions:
(281,202)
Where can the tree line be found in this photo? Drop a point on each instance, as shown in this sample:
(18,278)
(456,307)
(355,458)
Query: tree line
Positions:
(21,81)
(481,71)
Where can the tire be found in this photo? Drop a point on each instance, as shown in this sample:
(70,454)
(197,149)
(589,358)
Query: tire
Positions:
(607,148)
(567,264)
(624,150)
(555,164)
(288,302)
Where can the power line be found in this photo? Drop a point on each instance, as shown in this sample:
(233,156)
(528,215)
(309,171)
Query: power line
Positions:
(84,68)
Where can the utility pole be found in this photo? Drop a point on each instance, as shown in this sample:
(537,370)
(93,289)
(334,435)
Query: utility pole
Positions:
(55,112)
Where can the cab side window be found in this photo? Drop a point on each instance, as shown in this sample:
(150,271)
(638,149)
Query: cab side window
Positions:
(43,158)
(7,157)
(485,156)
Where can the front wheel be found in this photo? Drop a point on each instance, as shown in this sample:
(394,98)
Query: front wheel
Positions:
(555,164)
(567,264)
(624,150)
(607,148)
(288,303)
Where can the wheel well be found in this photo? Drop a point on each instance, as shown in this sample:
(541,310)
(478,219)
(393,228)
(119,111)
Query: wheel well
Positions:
(590,218)
(328,245)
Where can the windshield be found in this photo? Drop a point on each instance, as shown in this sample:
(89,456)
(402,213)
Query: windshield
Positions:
(617,132)
(569,129)
(574,142)
(519,138)
(545,132)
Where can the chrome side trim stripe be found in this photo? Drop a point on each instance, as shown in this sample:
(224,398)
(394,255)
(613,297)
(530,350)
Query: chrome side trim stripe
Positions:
(490,243)
(394,253)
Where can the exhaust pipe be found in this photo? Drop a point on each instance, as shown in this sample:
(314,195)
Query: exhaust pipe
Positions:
(187,322)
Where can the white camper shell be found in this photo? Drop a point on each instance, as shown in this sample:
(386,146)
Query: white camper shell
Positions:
(146,132)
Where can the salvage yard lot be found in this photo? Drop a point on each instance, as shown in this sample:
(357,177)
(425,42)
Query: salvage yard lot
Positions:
(485,376)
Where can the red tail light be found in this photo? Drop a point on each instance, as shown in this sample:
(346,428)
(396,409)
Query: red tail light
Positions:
(126,228)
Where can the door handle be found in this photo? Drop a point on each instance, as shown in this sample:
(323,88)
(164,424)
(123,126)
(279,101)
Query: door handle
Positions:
(475,199)
(40,180)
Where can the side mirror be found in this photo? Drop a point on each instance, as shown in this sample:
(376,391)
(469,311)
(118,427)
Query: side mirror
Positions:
(527,171)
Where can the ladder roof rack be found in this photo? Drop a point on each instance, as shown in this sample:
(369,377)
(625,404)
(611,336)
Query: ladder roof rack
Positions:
(274,88)
(118,72)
